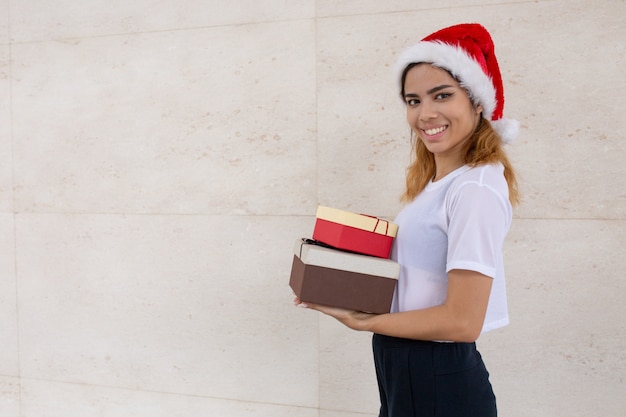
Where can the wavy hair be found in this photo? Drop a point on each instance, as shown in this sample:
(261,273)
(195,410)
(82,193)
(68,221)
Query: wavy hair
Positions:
(485,147)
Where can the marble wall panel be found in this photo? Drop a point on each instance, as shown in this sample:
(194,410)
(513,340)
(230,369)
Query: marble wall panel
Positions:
(33,20)
(9,397)
(563,353)
(566,88)
(327,8)
(568,155)
(9,364)
(347,375)
(50,399)
(182,304)
(6,147)
(363,142)
(205,121)
(4,22)
(117,109)
(363,136)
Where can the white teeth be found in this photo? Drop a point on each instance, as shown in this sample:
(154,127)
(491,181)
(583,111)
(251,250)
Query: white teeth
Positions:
(435,131)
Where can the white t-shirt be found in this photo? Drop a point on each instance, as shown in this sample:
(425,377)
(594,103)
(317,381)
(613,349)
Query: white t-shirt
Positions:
(458,222)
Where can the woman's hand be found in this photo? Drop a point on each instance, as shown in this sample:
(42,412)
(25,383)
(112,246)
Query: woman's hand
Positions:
(356,320)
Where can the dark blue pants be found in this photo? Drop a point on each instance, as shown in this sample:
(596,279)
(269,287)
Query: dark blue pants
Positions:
(431,379)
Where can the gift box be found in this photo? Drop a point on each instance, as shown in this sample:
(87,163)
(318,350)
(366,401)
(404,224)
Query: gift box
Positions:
(353,232)
(327,276)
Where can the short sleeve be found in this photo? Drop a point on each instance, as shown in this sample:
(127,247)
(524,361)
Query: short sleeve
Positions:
(479,217)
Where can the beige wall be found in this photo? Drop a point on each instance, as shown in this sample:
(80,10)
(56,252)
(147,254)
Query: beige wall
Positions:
(158,159)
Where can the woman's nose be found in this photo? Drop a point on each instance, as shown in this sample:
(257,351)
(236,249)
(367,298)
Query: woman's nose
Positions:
(427,111)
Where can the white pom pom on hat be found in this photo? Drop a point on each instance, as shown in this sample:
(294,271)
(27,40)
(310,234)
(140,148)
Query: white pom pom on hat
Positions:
(467,52)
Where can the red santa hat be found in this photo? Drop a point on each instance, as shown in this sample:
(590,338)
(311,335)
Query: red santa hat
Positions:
(467,52)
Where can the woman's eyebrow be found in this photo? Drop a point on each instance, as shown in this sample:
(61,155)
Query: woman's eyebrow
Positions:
(431,91)
(439,87)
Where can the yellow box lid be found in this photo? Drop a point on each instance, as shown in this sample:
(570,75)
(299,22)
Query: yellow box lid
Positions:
(359,221)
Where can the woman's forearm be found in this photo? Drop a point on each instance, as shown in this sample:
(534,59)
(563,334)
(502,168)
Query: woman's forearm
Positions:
(435,323)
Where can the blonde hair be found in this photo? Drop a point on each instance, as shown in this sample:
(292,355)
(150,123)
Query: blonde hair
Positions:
(485,147)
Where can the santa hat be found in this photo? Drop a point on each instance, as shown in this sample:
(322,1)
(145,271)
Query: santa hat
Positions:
(467,52)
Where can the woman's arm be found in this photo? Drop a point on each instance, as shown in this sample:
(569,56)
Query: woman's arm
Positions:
(459,319)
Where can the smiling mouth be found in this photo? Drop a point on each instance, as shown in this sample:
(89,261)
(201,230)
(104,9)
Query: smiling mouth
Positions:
(434,131)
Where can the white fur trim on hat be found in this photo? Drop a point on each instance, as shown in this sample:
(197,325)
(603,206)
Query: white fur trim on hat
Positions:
(459,63)
(506,128)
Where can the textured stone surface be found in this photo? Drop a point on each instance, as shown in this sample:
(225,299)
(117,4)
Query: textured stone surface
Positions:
(158,159)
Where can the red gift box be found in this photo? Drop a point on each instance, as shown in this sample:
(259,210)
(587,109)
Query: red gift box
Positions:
(358,233)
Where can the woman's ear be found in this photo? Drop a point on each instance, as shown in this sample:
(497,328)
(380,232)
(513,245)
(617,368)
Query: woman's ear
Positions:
(478,108)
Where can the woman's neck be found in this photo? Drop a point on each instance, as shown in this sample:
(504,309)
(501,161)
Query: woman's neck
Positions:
(444,166)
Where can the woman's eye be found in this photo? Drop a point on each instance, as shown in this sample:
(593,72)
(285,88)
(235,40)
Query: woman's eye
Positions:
(412,102)
(442,96)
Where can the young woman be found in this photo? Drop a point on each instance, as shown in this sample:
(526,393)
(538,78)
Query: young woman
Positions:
(460,190)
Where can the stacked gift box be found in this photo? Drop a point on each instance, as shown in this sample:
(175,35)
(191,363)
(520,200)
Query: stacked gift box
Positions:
(346,263)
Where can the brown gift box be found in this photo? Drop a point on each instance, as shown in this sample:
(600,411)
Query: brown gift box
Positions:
(332,277)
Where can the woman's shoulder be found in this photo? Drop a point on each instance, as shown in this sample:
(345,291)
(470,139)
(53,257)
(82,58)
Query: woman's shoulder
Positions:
(480,186)
(487,175)
(482,174)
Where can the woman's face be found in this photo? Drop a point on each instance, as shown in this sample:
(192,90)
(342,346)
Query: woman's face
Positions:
(439,111)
